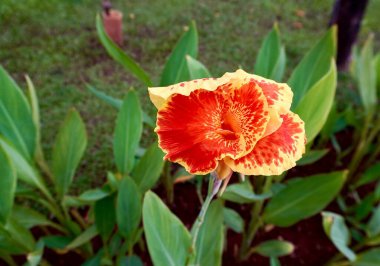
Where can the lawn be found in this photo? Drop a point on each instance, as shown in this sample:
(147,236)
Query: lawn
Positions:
(55,43)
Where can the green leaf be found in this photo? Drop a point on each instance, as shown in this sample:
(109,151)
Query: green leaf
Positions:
(376,62)
(233,220)
(131,261)
(128,207)
(274,248)
(119,56)
(83,238)
(168,240)
(105,216)
(337,231)
(303,198)
(18,233)
(312,156)
(315,106)
(57,242)
(313,66)
(95,194)
(30,218)
(68,150)
(7,187)
(373,226)
(366,75)
(368,258)
(187,45)
(25,171)
(116,103)
(271,58)
(16,121)
(209,245)
(196,69)
(370,175)
(243,193)
(34,257)
(127,133)
(273,261)
(149,168)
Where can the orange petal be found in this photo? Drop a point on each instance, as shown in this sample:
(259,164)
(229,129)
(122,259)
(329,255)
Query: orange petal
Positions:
(159,95)
(275,153)
(200,129)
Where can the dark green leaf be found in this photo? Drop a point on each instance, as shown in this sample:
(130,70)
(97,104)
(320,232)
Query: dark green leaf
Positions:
(68,150)
(128,207)
(188,45)
(209,245)
(127,133)
(105,216)
(373,226)
(131,261)
(312,156)
(118,55)
(314,65)
(7,187)
(57,242)
(16,121)
(83,238)
(337,231)
(274,261)
(370,175)
(243,193)
(368,258)
(303,198)
(315,106)
(149,168)
(271,58)
(274,248)
(168,240)
(233,220)
(30,218)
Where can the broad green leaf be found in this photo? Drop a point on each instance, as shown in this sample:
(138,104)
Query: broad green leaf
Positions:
(128,207)
(25,171)
(196,69)
(119,56)
(233,220)
(313,66)
(83,238)
(105,216)
(274,248)
(373,226)
(243,193)
(312,156)
(68,150)
(337,231)
(57,242)
(7,187)
(16,121)
(18,233)
(364,207)
(168,240)
(187,45)
(209,245)
(303,198)
(131,261)
(376,62)
(271,59)
(149,168)
(366,75)
(34,257)
(370,175)
(30,218)
(127,133)
(315,106)
(95,194)
(368,258)
(11,246)
(117,103)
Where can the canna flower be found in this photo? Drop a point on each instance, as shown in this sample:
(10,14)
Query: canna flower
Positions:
(239,122)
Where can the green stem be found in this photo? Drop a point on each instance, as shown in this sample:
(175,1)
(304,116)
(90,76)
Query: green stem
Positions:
(255,222)
(168,182)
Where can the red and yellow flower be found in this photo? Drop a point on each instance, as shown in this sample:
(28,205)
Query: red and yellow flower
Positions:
(239,122)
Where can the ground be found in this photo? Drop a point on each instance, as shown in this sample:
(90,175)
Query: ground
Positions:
(55,42)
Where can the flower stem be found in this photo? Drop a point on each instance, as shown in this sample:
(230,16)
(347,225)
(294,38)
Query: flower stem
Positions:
(213,188)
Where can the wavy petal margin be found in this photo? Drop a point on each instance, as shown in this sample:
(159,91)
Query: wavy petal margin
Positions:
(200,129)
(275,153)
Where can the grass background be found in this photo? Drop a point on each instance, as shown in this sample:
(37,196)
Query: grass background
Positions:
(55,42)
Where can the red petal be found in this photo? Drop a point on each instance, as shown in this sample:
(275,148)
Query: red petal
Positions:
(275,153)
(206,126)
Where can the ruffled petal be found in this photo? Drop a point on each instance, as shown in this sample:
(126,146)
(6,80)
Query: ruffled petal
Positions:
(275,153)
(202,128)
(159,95)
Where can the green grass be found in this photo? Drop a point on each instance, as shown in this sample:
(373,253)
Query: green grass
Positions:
(55,42)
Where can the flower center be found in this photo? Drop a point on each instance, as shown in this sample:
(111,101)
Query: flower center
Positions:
(230,126)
